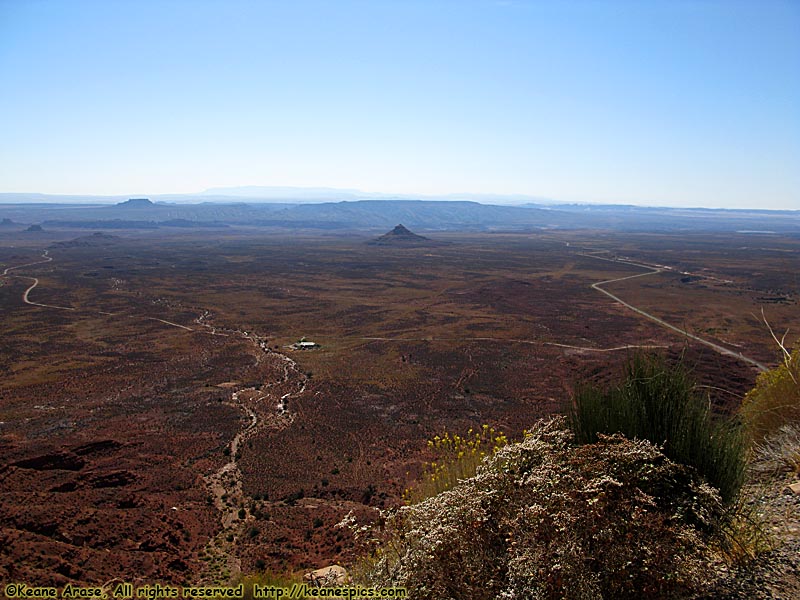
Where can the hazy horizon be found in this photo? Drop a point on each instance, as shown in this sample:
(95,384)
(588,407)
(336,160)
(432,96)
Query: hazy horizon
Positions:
(680,104)
(312,195)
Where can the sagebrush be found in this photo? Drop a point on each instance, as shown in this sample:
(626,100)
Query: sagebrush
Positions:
(545,518)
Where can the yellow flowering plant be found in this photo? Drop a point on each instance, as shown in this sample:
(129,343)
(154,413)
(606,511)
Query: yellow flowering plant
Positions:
(456,458)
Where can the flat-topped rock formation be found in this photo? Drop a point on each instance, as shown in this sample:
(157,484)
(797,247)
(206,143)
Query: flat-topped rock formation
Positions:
(136,203)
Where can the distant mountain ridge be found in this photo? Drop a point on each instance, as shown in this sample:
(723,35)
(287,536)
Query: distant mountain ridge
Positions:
(376,216)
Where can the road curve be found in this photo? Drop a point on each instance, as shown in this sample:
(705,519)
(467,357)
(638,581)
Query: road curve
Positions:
(26,300)
(35,281)
(47,258)
(653,271)
(38,262)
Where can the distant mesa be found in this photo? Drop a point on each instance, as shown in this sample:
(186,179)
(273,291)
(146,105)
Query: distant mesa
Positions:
(401,236)
(7,223)
(88,241)
(34,228)
(136,203)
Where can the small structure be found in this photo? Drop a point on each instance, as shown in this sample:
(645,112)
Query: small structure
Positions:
(304,344)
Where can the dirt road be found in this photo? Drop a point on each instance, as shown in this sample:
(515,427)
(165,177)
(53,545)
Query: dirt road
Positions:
(653,270)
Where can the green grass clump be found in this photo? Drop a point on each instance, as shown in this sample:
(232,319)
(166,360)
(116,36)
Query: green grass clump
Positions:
(659,403)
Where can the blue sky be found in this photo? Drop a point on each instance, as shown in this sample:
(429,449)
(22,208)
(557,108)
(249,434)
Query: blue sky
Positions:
(670,103)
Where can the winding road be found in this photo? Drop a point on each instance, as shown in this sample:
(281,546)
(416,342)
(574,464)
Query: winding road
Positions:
(650,270)
(45,255)
(47,258)
(653,271)
(25,294)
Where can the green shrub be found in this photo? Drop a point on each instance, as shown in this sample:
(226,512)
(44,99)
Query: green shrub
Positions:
(659,403)
(775,401)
